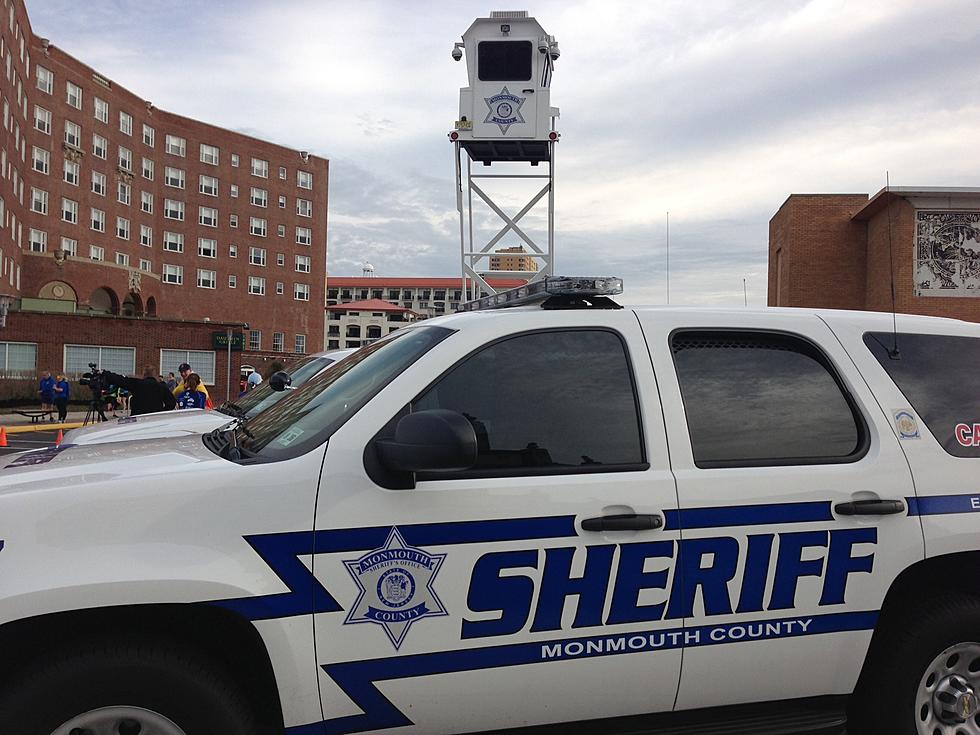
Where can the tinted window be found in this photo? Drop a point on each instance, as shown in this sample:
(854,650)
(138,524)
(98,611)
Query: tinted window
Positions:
(504,61)
(757,399)
(559,400)
(939,377)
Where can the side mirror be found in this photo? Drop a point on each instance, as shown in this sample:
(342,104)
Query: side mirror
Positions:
(436,440)
(280,381)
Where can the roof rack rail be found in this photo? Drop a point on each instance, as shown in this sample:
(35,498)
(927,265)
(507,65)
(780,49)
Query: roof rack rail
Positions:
(555,292)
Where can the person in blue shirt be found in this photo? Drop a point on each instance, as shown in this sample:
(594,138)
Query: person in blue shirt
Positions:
(192,396)
(62,392)
(46,389)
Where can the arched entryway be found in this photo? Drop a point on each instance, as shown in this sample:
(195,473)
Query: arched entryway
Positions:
(104,301)
(132,305)
(151,306)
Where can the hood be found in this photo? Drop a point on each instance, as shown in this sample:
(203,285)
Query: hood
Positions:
(186,422)
(75,465)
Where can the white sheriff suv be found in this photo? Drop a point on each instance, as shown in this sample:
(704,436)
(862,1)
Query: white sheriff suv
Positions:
(650,520)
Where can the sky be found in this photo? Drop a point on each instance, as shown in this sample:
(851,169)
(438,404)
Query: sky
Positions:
(713,111)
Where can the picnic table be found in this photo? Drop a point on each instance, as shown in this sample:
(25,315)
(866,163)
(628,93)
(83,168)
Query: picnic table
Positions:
(35,415)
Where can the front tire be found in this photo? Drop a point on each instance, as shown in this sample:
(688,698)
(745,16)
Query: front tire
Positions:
(127,689)
(923,672)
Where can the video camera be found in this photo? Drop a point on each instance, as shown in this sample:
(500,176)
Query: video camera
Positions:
(92,379)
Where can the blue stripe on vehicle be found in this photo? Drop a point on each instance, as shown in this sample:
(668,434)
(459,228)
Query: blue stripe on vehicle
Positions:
(933,505)
(305,595)
(358,678)
(747,515)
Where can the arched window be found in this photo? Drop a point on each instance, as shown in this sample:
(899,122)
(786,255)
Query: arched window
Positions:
(374,332)
(353,330)
(104,301)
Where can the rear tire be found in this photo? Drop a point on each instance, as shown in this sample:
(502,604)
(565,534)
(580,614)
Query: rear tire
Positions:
(126,688)
(911,655)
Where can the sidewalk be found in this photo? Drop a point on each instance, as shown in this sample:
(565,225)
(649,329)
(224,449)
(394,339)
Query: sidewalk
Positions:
(14,423)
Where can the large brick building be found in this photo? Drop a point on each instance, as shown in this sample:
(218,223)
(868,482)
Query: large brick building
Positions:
(110,205)
(844,251)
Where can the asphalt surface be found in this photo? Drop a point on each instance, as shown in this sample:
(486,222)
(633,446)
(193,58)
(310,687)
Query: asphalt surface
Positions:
(29,440)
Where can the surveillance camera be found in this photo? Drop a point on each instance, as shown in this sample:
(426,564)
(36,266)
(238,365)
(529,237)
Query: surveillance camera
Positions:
(245,326)
(543,45)
(457,54)
(555,52)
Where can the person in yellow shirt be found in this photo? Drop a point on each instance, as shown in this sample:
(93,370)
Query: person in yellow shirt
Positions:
(185,371)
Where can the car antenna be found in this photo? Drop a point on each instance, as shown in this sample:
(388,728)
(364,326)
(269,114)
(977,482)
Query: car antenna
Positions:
(894,352)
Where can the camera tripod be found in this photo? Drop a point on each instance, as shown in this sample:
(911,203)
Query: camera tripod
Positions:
(94,409)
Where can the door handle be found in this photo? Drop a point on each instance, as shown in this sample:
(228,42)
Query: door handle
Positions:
(870,508)
(627,522)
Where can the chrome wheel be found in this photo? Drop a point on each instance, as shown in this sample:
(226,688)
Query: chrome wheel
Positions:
(119,721)
(948,696)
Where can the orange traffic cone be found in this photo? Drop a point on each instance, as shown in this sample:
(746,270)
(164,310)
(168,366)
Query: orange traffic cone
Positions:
(3,437)
(61,437)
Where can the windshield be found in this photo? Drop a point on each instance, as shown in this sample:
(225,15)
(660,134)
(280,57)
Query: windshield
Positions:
(259,399)
(308,416)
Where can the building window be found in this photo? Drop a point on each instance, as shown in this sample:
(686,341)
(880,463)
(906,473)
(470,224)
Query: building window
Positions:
(279,288)
(101,110)
(257,226)
(234,160)
(39,201)
(38,241)
(280,259)
(256,256)
(121,360)
(73,134)
(304,179)
(41,160)
(125,193)
(45,79)
(176,146)
(122,259)
(69,211)
(256,286)
(202,361)
(174,177)
(98,183)
(146,265)
(282,201)
(146,236)
(69,246)
(173,209)
(125,123)
(278,341)
(260,197)
(301,344)
(173,241)
(282,173)
(125,159)
(303,263)
(206,279)
(260,168)
(96,253)
(304,236)
(148,167)
(209,154)
(207,248)
(301,292)
(98,220)
(149,135)
(281,230)
(208,185)
(232,251)
(122,228)
(304,207)
(232,281)
(234,191)
(146,202)
(72,172)
(255,339)
(74,95)
(42,120)
(100,146)
(207,216)
(173,274)
(233,220)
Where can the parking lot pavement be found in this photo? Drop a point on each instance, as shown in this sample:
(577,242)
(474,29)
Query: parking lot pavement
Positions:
(29,440)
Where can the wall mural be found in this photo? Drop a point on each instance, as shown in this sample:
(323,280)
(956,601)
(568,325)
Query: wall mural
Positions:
(947,253)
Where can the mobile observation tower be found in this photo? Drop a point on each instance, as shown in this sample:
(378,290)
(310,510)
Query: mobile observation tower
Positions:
(505,115)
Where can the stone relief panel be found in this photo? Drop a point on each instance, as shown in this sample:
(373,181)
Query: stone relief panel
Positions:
(947,253)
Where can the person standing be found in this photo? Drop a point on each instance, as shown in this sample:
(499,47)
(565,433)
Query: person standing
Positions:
(184,371)
(147,394)
(171,382)
(193,397)
(46,389)
(62,392)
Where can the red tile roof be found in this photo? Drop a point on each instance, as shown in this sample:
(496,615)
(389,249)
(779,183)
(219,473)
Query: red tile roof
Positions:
(369,305)
(384,282)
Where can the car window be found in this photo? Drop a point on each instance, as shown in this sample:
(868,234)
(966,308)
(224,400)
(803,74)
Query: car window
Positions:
(555,401)
(762,399)
(260,398)
(937,375)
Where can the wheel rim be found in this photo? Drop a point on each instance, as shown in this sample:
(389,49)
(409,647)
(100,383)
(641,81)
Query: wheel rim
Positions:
(119,721)
(947,699)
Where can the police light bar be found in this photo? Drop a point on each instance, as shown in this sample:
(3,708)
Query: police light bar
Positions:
(575,287)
